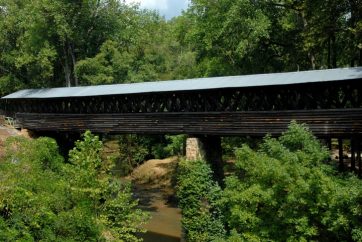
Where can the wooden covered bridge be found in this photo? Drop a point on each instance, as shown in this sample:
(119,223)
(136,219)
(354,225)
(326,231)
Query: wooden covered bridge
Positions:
(329,101)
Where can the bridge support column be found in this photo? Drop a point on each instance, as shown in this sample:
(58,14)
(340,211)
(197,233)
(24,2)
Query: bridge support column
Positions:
(207,148)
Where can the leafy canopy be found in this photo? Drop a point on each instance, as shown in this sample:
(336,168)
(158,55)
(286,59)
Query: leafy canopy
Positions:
(198,198)
(44,199)
(285,192)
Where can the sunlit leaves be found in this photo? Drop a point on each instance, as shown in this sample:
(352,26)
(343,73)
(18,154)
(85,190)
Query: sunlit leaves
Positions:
(285,192)
(199,195)
(44,199)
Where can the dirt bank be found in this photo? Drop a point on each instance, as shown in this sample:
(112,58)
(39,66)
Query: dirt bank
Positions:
(6,132)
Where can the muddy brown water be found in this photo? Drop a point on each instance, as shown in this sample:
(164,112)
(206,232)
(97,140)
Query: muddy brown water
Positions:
(165,222)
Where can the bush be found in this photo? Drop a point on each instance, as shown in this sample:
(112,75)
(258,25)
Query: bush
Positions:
(175,144)
(232,143)
(44,199)
(134,149)
(284,192)
(198,195)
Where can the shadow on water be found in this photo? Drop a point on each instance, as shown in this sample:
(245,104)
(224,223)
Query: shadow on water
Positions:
(157,237)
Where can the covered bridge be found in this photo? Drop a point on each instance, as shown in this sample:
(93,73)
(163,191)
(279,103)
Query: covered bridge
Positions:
(328,100)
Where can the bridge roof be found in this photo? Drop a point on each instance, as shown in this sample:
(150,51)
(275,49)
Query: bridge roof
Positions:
(259,80)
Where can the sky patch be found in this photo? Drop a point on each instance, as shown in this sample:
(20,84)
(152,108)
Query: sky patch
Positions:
(166,8)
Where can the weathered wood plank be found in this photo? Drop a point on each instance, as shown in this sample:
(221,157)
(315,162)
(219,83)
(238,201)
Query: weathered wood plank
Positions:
(323,123)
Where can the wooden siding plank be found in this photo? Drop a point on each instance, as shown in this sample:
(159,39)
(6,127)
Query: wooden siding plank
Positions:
(324,123)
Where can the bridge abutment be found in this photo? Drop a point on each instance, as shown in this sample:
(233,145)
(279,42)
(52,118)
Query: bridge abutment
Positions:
(207,148)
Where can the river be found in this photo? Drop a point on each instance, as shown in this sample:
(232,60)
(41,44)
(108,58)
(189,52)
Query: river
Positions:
(165,222)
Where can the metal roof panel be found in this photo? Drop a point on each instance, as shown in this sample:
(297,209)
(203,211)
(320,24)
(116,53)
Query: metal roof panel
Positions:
(258,80)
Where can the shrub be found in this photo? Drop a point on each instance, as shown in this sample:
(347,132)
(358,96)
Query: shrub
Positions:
(44,199)
(284,192)
(175,144)
(231,143)
(135,149)
(198,195)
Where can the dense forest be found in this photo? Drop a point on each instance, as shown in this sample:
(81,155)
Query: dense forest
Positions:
(280,189)
(87,42)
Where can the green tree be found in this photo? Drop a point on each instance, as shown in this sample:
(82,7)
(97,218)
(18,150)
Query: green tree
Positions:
(42,40)
(182,57)
(154,54)
(44,199)
(133,151)
(109,66)
(284,192)
(198,198)
(104,196)
(352,34)
(244,37)
(226,32)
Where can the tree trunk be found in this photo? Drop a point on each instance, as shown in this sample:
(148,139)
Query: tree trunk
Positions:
(329,53)
(334,51)
(71,52)
(355,12)
(312,59)
(69,65)
(311,55)
(67,70)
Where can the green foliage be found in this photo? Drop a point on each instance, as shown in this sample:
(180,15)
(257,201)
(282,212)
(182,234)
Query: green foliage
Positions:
(198,198)
(29,193)
(176,144)
(55,43)
(44,199)
(120,216)
(133,151)
(284,192)
(242,37)
(150,55)
(231,144)
(226,34)
(109,66)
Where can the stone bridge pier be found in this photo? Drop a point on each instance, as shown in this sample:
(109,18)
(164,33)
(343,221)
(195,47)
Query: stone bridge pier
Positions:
(207,148)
